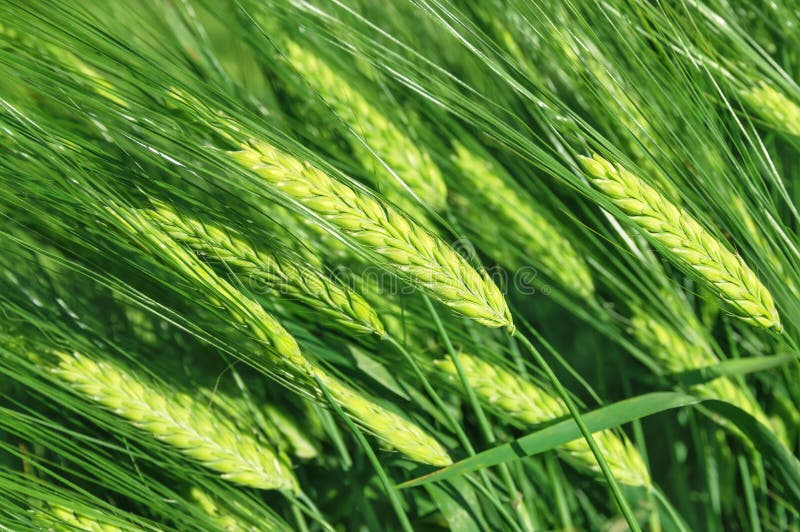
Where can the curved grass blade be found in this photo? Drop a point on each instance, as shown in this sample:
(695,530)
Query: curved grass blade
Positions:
(782,463)
(560,433)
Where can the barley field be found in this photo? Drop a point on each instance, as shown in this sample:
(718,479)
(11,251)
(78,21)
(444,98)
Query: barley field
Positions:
(465,265)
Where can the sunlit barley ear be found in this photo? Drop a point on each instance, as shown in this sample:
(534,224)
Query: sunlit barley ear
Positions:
(283,350)
(687,242)
(179,421)
(58,517)
(509,395)
(302,282)
(487,188)
(413,253)
(293,433)
(402,154)
(390,427)
(773,107)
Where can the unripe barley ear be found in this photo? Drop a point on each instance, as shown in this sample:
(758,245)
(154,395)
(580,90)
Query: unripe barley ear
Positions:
(687,242)
(281,346)
(728,390)
(295,436)
(488,186)
(392,428)
(403,155)
(178,421)
(305,283)
(413,253)
(773,107)
(527,404)
(68,519)
(224,520)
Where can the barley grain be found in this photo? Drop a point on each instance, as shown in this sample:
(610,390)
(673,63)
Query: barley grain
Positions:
(510,395)
(179,421)
(412,252)
(688,242)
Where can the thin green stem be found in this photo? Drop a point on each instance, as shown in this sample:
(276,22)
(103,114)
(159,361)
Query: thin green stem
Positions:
(587,435)
(483,421)
(394,497)
(456,426)
(677,520)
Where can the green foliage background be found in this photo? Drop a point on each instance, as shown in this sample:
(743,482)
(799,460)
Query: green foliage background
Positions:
(112,108)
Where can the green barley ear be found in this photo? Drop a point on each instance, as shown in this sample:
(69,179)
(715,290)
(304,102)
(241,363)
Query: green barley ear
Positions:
(689,244)
(179,421)
(488,187)
(67,519)
(528,404)
(296,437)
(403,155)
(224,520)
(392,428)
(304,283)
(415,254)
(773,107)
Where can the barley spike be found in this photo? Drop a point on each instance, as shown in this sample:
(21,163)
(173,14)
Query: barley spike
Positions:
(412,163)
(530,231)
(773,107)
(179,421)
(305,283)
(284,352)
(412,252)
(688,242)
(682,351)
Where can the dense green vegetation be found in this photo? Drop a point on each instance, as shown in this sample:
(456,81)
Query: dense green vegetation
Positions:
(469,265)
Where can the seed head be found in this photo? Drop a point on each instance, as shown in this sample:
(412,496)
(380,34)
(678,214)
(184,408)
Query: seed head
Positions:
(407,159)
(177,420)
(687,242)
(412,252)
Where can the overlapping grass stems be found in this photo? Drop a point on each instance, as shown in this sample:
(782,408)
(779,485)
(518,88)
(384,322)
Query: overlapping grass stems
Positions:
(159,166)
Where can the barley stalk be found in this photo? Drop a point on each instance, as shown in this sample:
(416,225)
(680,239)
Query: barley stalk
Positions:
(688,242)
(178,420)
(774,107)
(308,285)
(411,162)
(415,254)
(395,430)
(533,234)
(508,394)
